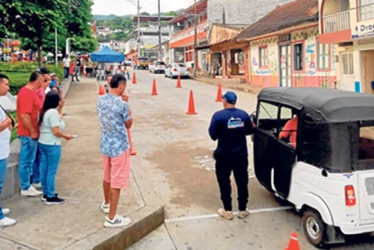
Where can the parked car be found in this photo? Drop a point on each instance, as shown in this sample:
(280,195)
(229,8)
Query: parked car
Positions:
(176,69)
(143,62)
(329,174)
(157,67)
(128,62)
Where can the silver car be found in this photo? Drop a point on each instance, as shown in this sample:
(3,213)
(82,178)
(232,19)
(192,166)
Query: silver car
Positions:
(176,69)
(157,67)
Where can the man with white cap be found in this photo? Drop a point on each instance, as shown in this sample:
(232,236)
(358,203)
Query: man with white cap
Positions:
(230,127)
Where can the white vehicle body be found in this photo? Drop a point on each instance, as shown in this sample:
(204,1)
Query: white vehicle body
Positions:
(157,67)
(176,69)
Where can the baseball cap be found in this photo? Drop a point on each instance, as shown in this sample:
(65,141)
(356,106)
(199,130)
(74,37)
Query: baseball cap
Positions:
(52,74)
(230,97)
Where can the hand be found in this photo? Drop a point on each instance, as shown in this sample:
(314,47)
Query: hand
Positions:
(125,97)
(68,137)
(34,135)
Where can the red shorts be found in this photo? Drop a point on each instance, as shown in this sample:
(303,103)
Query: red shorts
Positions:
(117,170)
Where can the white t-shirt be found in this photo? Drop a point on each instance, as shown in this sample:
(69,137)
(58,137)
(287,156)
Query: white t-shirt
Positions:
(4,138)
(66,62)
(51,119)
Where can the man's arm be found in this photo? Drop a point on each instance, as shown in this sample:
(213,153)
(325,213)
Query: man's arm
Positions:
(26,120)
(5,124)
(213,133)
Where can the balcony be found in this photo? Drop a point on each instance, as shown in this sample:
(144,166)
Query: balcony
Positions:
(336,22)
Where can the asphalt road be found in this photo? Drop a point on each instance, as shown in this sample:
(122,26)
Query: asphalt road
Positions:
(174,166)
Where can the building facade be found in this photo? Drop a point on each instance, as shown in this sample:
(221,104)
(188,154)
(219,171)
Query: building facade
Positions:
(349,26)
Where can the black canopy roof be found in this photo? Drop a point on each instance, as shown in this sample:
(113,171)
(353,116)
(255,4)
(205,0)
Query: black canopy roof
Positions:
(333,105)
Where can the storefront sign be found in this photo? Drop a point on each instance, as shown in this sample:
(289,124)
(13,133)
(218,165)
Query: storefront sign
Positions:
(363,30)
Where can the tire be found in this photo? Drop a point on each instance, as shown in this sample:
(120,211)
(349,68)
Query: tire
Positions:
(314,228)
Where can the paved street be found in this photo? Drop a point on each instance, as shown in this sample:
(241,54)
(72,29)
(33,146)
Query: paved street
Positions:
(173,168)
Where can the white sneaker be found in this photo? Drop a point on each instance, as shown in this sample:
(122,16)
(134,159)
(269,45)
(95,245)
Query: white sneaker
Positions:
(117,221)
(105,207)
(31,192)
(243,214)
(6,222)
(37,185)
(225,214)
(6,211)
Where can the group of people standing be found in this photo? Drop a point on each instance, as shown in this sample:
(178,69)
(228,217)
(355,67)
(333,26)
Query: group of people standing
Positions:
(40,130)
(72,68)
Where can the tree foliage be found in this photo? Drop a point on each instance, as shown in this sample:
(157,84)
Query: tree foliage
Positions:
(35,21)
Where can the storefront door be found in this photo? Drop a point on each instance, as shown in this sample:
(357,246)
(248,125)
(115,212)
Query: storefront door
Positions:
(285,66)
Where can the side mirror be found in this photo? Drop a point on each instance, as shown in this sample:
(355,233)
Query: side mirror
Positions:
(254,117)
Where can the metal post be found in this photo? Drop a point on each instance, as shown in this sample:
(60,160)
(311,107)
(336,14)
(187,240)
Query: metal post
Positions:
(159,31)
(138,28)
(55,46)
(195,41)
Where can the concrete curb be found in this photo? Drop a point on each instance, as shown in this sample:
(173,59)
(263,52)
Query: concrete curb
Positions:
(145,220)
(12,184)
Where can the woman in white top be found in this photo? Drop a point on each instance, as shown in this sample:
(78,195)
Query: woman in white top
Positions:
(51,127)
(5,128)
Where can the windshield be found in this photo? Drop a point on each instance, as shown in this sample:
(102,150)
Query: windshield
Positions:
(366,143)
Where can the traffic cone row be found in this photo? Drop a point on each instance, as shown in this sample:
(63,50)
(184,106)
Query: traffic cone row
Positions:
(179,85)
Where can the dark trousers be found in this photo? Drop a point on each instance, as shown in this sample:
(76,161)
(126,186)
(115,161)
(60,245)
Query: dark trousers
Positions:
(224,167)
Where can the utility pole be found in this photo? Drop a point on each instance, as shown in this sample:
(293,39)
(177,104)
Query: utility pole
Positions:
(138,7)
(159,31)
(195,41)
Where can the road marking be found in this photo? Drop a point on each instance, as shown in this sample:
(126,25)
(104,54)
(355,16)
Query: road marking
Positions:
(209,216)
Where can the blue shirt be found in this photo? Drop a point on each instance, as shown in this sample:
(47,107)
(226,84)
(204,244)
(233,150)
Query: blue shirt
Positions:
(113,113)
(230,127)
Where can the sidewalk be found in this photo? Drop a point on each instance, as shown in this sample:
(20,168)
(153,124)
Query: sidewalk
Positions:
(230,83)
(78,223)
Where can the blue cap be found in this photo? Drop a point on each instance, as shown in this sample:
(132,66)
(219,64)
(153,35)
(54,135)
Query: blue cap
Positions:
(229,97)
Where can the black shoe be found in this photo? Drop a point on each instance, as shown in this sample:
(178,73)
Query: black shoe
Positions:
(54,201)
(44,197)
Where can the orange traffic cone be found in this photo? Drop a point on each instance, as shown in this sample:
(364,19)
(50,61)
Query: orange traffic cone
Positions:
(191,105)
(219,93)
(294,243)
(133,78)
(154,88)
(132,152)
(101,90)
(179,85)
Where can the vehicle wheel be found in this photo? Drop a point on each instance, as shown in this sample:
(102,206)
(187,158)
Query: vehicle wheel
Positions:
(314,227)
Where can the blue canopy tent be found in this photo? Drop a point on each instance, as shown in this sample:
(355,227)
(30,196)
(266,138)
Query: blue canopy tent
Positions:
(106,55)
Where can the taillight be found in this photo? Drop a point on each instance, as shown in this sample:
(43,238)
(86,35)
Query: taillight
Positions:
(175,70)
(350,198)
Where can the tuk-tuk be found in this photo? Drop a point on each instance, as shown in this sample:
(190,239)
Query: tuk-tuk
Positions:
(328,172)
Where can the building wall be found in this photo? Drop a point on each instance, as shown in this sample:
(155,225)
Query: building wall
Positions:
(240,11)
(310,76)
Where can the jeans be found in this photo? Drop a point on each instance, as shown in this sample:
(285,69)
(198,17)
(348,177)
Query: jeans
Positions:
(26,160)
(36,169)
(3,163)
(224,167)
(66,72)
(49,156)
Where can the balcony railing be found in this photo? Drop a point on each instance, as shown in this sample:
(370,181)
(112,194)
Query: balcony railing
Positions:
(336,22)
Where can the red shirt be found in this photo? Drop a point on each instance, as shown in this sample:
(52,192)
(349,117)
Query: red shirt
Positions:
(28,103)
(290,130)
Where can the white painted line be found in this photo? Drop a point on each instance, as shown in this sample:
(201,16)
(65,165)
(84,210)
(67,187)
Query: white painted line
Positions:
(208,216)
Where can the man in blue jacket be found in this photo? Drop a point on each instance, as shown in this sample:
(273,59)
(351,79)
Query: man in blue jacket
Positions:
(231,126)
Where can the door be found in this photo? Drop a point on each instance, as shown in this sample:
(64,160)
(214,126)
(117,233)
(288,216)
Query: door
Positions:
(367,62)
(347,79)
(285,66)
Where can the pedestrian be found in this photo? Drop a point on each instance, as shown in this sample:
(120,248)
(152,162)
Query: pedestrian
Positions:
(66,65)
(77,69)
(127,73)
(35,174)
(230,127)
(28,107)
(114,116)
(72,71)
(51,132)
(6,125)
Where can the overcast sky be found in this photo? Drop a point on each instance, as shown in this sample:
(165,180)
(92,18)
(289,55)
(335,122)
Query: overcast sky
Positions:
(124,7)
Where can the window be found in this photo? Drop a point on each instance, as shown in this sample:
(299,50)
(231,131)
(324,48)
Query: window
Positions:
(298,56)
(267,116)
(323,56)
(366,9)
(366,143)
(263,56)
(347,63)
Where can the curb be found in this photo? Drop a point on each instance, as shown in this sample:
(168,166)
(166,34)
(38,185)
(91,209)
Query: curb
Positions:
(145,220)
